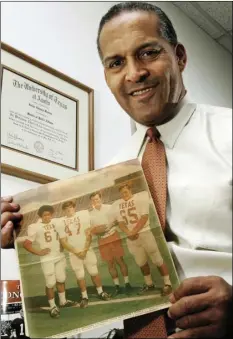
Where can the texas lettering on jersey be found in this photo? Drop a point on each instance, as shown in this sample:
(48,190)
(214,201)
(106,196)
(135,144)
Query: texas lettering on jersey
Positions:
(72,223)
(128,212)
(46,236)
(131,211)
(75,227)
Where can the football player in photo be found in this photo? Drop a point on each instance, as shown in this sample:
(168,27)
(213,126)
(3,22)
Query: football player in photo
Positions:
(44,233)
(75,237)
(18,327)
(132,213)
(109,241)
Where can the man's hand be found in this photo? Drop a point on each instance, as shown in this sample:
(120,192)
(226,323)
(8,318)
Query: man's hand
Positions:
(80,254)
(9,217)
(201,308)
(44,251)
(132,235)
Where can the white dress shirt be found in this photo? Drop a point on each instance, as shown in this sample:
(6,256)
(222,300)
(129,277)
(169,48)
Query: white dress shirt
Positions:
(198,144)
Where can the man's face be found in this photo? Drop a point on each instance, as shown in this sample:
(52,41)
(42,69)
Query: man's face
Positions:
(69,211)
(46,217)
(142,69)
(96,201)
(126,193)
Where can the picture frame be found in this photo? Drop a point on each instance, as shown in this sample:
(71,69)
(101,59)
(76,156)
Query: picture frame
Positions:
(48,129)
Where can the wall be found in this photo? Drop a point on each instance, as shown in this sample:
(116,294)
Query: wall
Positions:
(63,36)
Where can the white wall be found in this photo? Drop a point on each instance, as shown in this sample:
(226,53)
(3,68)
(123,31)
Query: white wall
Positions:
(63,35)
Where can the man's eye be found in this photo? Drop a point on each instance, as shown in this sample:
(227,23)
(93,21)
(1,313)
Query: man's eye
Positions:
(150,54)
(115,63)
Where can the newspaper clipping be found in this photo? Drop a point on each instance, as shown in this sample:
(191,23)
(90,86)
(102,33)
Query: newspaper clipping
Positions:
(91,251)
(12,317)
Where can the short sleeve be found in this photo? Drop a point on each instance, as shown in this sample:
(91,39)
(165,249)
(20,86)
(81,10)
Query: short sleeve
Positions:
(32,230)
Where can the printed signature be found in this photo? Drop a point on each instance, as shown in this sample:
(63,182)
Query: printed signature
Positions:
(56,155)
(14,140)
(18,144)
(14,136)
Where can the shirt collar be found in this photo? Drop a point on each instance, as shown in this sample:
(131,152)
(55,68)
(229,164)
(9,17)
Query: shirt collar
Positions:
(171,130)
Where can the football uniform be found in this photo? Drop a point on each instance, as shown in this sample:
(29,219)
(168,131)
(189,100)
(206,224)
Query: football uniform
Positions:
(110,245)
(130,212)
(18,325)
(74,229)
(53,264)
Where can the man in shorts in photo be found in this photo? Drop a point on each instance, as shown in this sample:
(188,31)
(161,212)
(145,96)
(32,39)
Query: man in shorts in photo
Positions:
(109,241)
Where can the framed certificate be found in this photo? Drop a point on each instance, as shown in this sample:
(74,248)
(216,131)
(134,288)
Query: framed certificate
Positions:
(46,120)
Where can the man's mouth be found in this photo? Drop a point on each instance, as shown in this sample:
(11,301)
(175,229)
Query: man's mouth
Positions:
(139,92)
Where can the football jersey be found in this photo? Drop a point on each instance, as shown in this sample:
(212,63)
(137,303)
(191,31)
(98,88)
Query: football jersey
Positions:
(103,216)
(46,236)
(74,228)
(18,325)
(131,211)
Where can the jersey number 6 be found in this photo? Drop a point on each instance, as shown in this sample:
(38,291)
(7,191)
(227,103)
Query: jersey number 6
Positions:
(48,236)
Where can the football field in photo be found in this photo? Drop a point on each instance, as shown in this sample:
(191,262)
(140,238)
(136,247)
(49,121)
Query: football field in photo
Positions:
(39,322)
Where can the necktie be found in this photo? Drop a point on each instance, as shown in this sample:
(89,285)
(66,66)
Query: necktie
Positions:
(152,325)
(154,167)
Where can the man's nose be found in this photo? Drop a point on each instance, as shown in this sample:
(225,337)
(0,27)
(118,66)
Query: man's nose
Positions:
(136,72)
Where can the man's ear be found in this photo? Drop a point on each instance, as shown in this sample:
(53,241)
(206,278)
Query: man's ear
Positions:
(181,56)
(105,77)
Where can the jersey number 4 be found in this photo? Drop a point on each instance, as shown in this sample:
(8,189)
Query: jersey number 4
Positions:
(68,231)
(129,216)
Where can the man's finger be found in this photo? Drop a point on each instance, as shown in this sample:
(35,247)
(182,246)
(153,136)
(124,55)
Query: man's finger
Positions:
(7,199)
(192,286)
(198,332)
(7,235)
(196,320)
(9,216)
(9,207)
(189,305)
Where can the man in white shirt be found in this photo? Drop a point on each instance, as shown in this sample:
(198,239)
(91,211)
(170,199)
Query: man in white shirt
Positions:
(53,263)
(109,240)
(132,214)
(75,237)
(143,64)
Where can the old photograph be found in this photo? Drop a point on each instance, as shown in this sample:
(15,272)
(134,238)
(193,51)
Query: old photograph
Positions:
(91,251)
